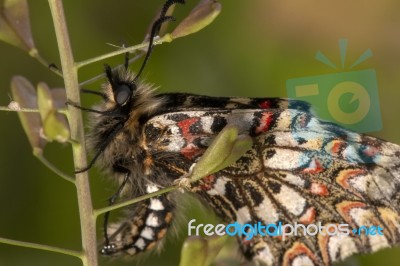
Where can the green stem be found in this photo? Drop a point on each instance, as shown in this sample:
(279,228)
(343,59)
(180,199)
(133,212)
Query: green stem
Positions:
(41,247)
(28,110)
(102,75)
(165,38)
(70,72)
(98,212)
(35,54)
(57,171)
(105,56)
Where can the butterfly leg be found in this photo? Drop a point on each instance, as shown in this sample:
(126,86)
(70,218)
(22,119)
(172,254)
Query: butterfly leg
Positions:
(143,229)
(111,201)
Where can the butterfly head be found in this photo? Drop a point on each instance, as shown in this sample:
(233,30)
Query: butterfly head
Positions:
(120,87)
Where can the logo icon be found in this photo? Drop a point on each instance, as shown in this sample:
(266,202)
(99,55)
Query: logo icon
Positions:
(349,99)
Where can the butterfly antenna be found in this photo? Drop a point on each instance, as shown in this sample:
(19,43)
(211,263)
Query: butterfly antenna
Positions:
(126,65)
(155,30)
(109,74)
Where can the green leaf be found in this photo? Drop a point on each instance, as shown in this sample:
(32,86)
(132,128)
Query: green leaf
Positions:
(200,251)
(200,17)
(24,93)
(225,150)
(55,126)
(194,251)
(15,27)
(214,246)
(59,97)
(48,124)
(45,103)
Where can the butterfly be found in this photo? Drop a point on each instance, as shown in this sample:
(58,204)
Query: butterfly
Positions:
(299,170)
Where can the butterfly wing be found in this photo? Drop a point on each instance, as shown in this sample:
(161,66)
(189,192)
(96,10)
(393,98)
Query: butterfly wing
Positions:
(300,170)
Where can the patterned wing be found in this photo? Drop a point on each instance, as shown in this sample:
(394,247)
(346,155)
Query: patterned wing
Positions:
(300,170)
(157,165)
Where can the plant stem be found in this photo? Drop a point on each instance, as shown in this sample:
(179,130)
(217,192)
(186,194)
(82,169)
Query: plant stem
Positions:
(49,165)
(35,54)
(41,247)
(102,75)
(105,56)
(28,110)
(70,72)
(98,212)
(165,38)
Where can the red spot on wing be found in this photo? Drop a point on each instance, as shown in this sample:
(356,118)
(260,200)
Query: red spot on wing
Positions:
(314,167)
(298,249)
(336,146)
(265,122)
(323,242)
(371,151)
(309,216)
(190,150)
(346,175)
(185,125)
(207,182)
(319,189)
(345,207)
(265,104)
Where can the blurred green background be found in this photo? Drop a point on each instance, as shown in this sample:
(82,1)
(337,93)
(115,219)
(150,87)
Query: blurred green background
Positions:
(251,49)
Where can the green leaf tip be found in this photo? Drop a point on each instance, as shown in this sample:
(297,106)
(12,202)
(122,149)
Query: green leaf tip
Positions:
(194,251)
(15,28)
(55,126)
(200,17)
(24,94)
(201,251)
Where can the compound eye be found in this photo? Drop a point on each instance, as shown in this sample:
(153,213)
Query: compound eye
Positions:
(123,94)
